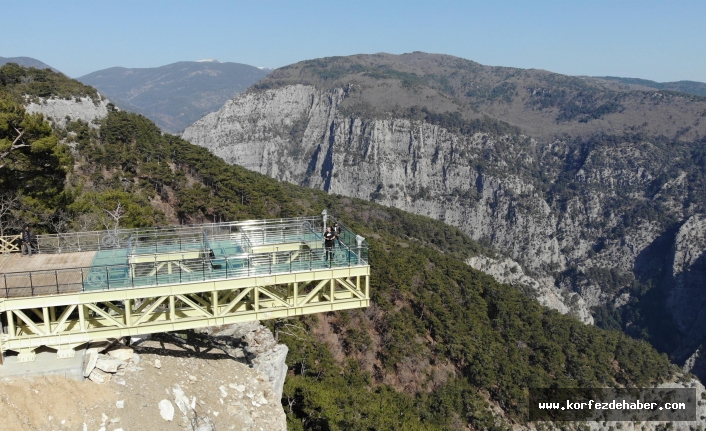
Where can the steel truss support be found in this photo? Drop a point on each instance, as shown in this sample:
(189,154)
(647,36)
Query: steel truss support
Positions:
(64,322)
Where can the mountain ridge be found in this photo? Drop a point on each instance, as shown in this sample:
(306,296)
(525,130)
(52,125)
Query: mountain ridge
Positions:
(26,62)
(177,94)
(689,87)
(594,198)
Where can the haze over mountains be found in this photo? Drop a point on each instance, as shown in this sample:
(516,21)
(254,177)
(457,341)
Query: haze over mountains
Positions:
(689,87)
(26,62)
(597,189)
(175,95)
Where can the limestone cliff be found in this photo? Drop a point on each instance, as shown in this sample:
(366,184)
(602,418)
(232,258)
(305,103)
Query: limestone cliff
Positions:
(579,217)
(58,110)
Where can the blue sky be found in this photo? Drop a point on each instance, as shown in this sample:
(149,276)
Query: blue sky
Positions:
(658,40)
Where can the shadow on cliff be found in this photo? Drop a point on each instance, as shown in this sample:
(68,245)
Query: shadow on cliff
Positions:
(645,315)
(654,261)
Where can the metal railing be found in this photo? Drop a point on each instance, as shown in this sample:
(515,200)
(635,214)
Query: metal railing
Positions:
(87,279)
(10,243)
(115,239)
(234,241)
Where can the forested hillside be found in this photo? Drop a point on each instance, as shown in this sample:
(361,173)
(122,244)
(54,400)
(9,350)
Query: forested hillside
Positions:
(443,347)
(594,188)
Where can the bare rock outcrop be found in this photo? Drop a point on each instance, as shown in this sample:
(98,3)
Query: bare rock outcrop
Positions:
(592,223)
(544,289)
(298,134)
(58,111)
(260,350)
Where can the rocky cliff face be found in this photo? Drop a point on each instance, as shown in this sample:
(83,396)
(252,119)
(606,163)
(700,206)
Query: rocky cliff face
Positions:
(586,220)
(59,111)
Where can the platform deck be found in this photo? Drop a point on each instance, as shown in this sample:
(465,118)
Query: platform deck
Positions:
(16,263)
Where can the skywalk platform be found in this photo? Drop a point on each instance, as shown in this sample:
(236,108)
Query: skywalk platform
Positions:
(90,286)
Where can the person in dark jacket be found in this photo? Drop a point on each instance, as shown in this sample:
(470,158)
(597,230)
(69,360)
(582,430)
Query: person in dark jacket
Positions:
(329,237)
(337,234)
(26,241)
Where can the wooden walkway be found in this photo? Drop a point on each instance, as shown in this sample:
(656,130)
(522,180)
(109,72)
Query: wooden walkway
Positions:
(14,262)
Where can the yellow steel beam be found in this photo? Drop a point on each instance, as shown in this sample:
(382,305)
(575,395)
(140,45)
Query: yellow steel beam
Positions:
(104,314)
(286,246)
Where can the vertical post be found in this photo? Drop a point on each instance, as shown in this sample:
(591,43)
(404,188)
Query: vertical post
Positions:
(107,277)
(256,298)
(367,287)
(214,303)
(10,324)
(31,285)
(359,240)
(296,294)
(83,286)
(7,291)
(332,288)
(128,312)
(56,277)
(82,317)
(45,316)
(172,308)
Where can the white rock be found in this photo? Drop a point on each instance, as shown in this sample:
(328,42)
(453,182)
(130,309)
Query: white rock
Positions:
(157,363)
(99,376)
(181,400)
(122,353)
(166,410)
(109,364)
(224,392)
(239,388)
(104,417)
(82,108)
(120,404)
(90,358)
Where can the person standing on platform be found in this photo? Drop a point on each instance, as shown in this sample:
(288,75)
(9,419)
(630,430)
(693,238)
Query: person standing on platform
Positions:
(337,234)
(26,242)
(329,237)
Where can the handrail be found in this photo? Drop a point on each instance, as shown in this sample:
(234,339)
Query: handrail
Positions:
(122,276)
(8,245)
(111,239)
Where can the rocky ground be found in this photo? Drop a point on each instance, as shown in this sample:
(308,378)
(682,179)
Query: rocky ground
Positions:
(164,383)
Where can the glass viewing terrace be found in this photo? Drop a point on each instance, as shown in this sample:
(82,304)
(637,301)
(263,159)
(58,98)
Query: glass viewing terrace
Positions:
(85,286)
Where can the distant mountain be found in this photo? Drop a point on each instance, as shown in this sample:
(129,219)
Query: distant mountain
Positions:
(26,62)
(689,87)
(596,189)
(176,95)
